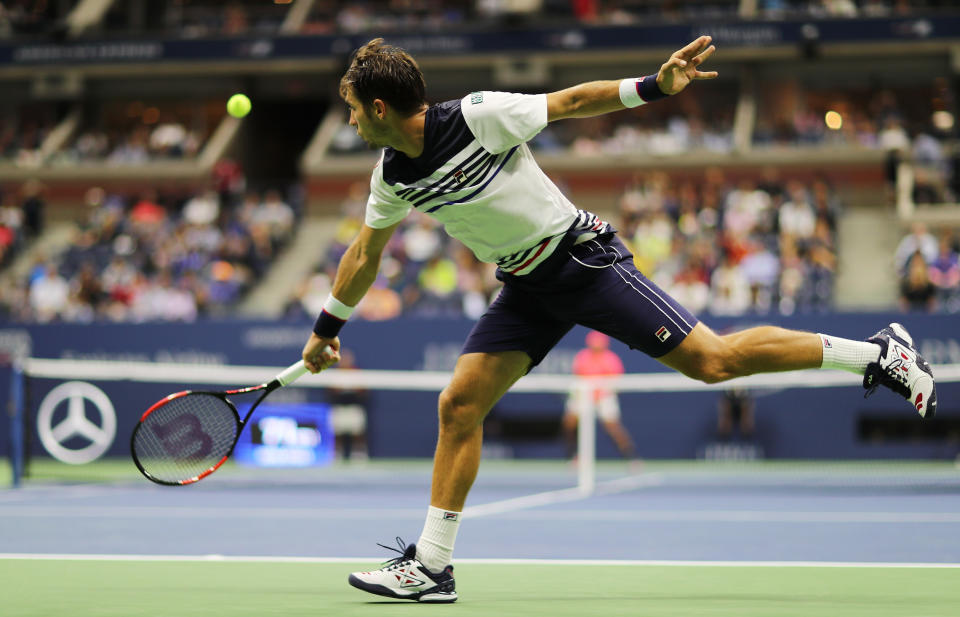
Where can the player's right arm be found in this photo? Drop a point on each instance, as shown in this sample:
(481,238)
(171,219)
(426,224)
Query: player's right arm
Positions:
(503,120)
(601,97)
(355,274)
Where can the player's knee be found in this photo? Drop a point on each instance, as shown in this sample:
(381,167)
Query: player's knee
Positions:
(713,366)
(459,415)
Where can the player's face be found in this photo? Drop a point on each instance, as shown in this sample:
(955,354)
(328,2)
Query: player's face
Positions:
(368,125)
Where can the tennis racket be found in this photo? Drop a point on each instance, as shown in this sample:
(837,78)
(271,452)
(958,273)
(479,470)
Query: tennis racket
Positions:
(186,436)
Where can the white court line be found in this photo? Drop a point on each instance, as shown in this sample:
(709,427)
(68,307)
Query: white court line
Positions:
(27,494)
(207,512)
(522,562)
(738,516)
(610,487)
(511,509)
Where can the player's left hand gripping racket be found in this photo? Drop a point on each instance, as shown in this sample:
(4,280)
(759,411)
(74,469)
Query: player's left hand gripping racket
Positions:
(186,436)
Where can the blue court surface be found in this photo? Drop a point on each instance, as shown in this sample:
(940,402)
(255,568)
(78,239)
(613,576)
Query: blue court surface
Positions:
(689,511)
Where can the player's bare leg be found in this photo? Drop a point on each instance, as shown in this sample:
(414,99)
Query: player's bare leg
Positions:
(479,380)
(422,571)
(888,358)
(712,358)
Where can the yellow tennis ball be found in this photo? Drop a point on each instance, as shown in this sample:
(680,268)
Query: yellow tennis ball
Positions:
(239,105)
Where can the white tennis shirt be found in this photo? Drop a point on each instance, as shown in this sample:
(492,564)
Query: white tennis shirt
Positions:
(478,178)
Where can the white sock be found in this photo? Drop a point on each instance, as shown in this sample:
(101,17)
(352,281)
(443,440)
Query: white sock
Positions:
(435,546)
(847,355)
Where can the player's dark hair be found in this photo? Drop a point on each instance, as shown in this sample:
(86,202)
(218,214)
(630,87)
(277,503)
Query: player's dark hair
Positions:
(385,72)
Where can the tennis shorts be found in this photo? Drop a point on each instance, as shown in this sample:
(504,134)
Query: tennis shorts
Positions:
(594,284)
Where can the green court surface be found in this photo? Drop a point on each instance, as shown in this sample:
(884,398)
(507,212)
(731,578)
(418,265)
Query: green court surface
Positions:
(106,588)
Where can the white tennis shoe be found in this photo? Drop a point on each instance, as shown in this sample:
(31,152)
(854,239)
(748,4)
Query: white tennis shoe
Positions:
(405,578)
(901,368)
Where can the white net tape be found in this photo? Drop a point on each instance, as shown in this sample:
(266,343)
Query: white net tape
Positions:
(431,381)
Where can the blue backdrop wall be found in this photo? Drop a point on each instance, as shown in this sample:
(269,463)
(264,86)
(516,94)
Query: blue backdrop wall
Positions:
(796,423)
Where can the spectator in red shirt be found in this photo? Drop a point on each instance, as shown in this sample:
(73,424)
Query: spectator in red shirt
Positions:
(597,360)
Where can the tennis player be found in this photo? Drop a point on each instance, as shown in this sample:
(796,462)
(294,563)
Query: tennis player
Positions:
(466,163)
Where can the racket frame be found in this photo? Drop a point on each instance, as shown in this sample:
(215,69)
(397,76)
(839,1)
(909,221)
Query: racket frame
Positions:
(289,375)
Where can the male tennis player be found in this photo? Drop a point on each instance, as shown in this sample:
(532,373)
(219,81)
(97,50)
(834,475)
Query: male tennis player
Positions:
(466,163)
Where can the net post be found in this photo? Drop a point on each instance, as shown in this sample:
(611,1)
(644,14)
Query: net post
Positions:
(15,347)
(586,440)
(16,422)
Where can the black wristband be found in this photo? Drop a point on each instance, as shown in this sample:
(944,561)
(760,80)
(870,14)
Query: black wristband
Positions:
(648,89)
(327,325)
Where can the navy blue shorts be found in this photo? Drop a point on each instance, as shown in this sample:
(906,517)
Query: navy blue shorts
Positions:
(594,284)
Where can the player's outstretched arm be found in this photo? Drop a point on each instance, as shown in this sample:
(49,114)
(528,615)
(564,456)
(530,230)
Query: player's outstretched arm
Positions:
(601,97)
(355,274)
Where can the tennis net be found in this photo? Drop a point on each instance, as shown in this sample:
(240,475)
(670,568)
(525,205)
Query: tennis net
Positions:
(803,415)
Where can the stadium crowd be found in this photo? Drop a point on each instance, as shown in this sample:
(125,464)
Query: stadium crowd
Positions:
(213,18)
(753,246)
(134,133)
(928,267)
(21,219)
(23,130)
(155,256)
(721,246)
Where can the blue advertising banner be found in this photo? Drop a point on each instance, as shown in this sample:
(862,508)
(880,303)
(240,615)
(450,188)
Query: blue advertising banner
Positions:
(291,435)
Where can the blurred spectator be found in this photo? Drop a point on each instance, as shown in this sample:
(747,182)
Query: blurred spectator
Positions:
(348,414)
(595,361)
(745,208)
(729,289)
(276,215)
(49,295)
(8,235)
(760,268)
(917,291)
(32,206)
(919,240)
(797,216)
(735,414)
(202,209)
(945,273)
(438,282)
(690,289)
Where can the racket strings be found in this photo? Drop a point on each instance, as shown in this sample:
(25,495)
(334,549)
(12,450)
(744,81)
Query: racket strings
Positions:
(185,437)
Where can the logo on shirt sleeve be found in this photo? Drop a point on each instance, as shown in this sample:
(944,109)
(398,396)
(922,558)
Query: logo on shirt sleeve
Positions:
(663,334)
(476,97)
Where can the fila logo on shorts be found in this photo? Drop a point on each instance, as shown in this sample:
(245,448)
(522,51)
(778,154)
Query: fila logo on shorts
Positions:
(460,176)
(663,334)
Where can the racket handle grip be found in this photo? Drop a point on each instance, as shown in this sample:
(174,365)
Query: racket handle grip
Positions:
(296,371)
(291,373)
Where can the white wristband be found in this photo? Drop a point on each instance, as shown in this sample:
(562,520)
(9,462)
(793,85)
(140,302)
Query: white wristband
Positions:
(629,95)
(337,308)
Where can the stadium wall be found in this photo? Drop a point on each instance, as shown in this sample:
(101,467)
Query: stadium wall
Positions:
(833,422)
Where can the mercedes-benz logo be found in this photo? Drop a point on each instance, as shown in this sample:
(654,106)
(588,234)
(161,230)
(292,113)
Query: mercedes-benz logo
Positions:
(76,424)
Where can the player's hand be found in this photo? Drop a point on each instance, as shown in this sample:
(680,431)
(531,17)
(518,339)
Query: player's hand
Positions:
(677,72)
(316,357)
